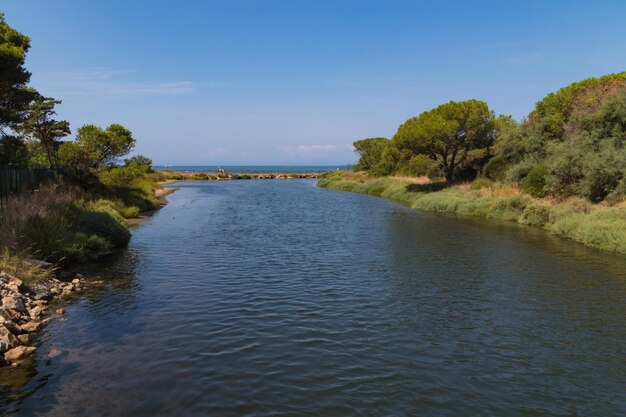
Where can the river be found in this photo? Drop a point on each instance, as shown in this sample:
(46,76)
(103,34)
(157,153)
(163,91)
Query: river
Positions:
(278,298)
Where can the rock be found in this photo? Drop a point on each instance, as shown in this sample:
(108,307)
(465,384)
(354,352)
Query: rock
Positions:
(36,312)
(42,295)
(60,311)
(31,326)
(76,281)
(54,291)
(7,339)
(40,302)
(24,338)
(43,264)
(18,353)
(54,352)
(12,327)
(14,303)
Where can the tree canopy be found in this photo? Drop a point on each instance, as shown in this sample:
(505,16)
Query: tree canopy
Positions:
(96,147)
(452,134)
(39,125)
(370,151)
(15,95)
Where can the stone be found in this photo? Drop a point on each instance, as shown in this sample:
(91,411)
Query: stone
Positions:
(43,264)
(40,302)
(54,352)
(24,338)
(36,312)
(7,339)
(76,281)
(14,303)
(18,353)
(60,311)
(12,327)
(42,295)
(31,326)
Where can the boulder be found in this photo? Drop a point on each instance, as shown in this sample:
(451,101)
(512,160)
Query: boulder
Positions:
(24,338)
(36,312)
(18,353)
(31,326)
(14,303)
(42,295)
(7,339)
(60,311)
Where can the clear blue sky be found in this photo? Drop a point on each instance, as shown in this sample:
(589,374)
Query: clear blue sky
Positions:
(295,82)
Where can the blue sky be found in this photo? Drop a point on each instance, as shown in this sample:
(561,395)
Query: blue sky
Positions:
(296,82)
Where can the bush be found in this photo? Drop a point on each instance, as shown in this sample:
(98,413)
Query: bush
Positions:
(104,225)
(131,212)
(535,182)
(496,168)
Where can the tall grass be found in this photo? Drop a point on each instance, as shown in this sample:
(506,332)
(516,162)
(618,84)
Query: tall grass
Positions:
(597,226)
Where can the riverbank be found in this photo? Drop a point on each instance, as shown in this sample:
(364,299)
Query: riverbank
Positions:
(26,307)
(598,226)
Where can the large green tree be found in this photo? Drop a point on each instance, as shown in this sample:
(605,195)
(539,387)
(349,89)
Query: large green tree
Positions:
(454,134)
(96,147)
(15,95)
(39,125)
(370,151)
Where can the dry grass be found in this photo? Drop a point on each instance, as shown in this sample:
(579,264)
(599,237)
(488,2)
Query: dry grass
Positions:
(22,268)
(25,206)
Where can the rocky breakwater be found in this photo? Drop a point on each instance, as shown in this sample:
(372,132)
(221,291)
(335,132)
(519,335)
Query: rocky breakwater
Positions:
(24,309)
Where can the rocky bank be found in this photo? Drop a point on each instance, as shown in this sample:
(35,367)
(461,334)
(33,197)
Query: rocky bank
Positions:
(25,308)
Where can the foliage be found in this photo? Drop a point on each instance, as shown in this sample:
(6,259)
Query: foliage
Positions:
(39,125)
(370,152)
(13,151)
(140,160)
(97,148)
(20,266)
(535,182)
(15,95)
(448,133)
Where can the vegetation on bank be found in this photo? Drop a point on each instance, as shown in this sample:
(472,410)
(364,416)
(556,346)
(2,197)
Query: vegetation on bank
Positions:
(598,226)
(562,168)
(571,145)
(82,213)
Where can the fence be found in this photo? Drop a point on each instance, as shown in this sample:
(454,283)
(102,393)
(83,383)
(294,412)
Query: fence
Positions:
(16,180)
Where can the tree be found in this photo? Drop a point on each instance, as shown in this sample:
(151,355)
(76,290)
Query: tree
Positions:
(15,95)
(139,160)
(97,148)
(13,151)
(370,151)
(448,134)
(39,125)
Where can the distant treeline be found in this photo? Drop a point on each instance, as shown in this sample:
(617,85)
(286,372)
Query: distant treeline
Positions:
(571,144)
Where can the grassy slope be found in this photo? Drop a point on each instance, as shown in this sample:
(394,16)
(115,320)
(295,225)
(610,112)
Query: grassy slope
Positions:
(600,227)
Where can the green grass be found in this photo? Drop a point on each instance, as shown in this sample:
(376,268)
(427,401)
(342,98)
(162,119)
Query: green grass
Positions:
(596,226)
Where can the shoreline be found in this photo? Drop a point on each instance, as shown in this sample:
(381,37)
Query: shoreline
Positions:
(25,308)
(600,227)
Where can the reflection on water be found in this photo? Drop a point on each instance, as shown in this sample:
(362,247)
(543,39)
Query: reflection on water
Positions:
(279,298)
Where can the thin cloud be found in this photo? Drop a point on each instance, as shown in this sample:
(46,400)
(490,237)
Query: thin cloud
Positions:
(108,83)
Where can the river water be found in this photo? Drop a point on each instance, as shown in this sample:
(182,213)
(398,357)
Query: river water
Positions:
(278,298)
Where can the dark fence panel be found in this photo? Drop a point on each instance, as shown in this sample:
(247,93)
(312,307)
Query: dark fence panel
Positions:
(15,180)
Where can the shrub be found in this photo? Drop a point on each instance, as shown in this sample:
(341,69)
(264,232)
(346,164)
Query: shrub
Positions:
(535,182)
(104,225)
(131,212)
